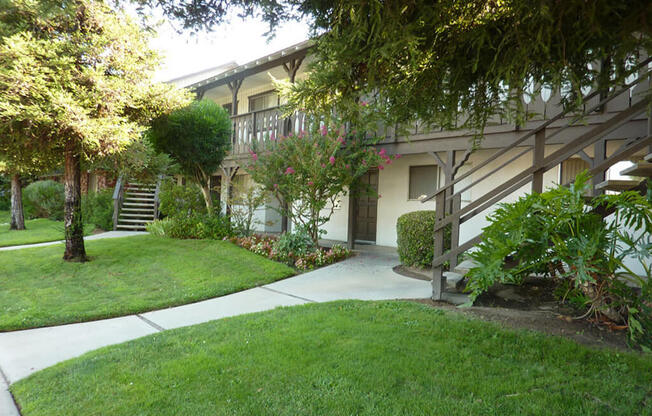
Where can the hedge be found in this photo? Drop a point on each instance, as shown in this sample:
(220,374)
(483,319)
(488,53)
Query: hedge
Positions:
(415,238)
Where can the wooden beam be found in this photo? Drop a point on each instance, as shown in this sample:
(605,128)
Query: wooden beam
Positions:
(537,162)
(254,70)
(234,86)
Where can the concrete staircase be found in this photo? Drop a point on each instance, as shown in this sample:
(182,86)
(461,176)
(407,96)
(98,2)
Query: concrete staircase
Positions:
(138,206)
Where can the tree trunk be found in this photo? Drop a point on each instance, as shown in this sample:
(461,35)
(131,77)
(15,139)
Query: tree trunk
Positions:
(206,192)
(17,215)
(74,226)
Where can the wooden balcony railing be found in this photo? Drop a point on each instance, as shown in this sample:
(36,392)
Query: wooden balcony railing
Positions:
(256,126)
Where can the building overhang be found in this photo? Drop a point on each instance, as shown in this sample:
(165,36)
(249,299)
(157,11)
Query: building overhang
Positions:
(300,50)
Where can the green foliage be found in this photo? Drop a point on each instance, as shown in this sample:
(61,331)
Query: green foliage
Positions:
(44,199)
(97,209)
(194,226)
(558,233)
(94,81)
(197,138)
(296,250)
(361,358)
(295,243)
(311,170)
(5,193)
(428,60)
(245,200)
(127,275)
(415,238)
(179,200)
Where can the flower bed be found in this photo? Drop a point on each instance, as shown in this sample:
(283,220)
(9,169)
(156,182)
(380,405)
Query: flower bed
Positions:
(267,246)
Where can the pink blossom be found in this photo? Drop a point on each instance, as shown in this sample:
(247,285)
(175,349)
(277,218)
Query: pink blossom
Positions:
(348,166)
(289,170)
(302,133)
(331,160)
(324,130)
(254,156)
(272,137)
(311,183)
(340,140)
(363,103)
(388,161)
(397,156)
(275,185)
(381,167)
(364,162)
(323,165)
(382,152)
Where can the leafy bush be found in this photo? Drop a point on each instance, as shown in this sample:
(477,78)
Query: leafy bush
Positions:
(415,238)
(97,209)
(177,200)
(294,244)
(308,260)
(44,199)
(560,234)
(195,226)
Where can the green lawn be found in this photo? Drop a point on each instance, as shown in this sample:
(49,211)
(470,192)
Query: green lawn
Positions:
(343,358)
(125,275)
(40,230)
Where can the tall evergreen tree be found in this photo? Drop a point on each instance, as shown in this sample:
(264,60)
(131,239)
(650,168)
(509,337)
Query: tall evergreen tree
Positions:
(75,83)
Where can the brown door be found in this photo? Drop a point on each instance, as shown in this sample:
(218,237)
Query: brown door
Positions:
(366,209)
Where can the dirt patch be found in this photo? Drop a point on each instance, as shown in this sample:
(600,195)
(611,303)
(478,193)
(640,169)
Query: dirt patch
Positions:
(551,322)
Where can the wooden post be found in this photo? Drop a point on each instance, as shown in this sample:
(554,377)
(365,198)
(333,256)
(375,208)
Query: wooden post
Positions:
(234,86)
(599,155)
(539,155)
(438,278)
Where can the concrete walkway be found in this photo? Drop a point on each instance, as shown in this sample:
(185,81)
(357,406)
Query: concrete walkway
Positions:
(108,234)
(367,276)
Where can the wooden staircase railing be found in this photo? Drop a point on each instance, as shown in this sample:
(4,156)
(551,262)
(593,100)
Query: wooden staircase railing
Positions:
(118,195)
(447,198)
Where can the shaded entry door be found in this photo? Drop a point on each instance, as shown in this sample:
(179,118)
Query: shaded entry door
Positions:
(366,210)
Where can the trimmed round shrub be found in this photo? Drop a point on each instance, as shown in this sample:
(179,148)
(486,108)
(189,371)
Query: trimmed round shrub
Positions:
(415,238)
(44,199)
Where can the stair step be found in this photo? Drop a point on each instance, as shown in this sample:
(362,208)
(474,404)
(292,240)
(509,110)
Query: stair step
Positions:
(642,169)
(139,204)
(648,158)
(148,194)
(452,278)
(133,215)
(148,209)
(617,185)
(122,220)
(455,298)
(136,188)
(464,267)
(140,199)
(130,227)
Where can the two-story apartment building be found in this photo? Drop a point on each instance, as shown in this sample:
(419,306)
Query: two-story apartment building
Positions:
(550,148)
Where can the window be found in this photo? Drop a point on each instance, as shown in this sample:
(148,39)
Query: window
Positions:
(423,181)
(227,107)
(262,101)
